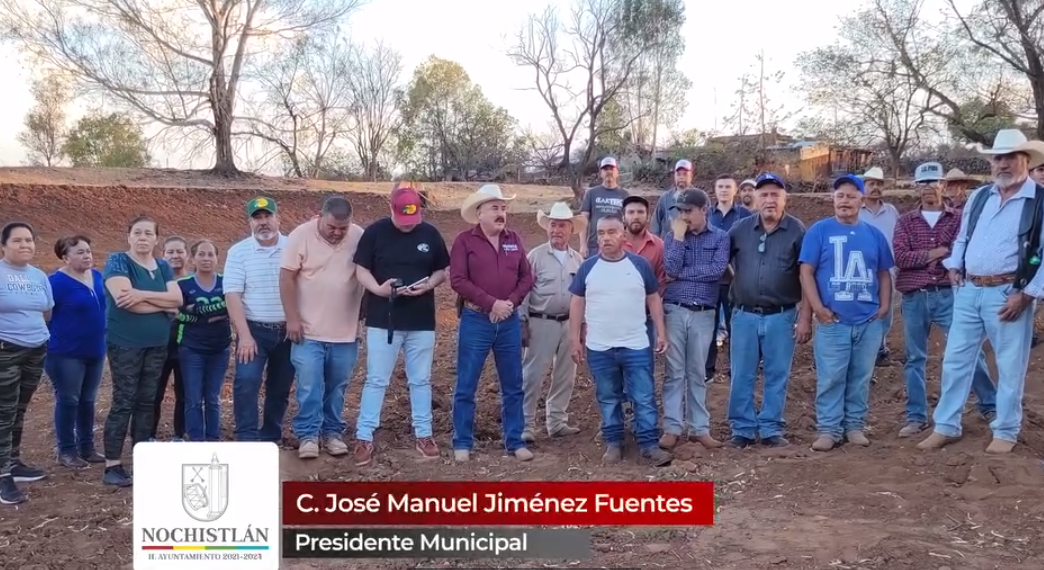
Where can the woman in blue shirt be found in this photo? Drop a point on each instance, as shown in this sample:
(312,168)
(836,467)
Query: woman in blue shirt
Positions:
(76,352)
(141,294)
(25,306)
(204,338)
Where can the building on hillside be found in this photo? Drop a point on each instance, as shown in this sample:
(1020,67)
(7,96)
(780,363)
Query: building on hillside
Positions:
(814,161)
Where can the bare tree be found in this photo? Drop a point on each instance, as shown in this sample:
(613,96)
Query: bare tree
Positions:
(374,85)
(45,128)
(178,62)
(756,104)
(589,48)
(544,150)
(304,104)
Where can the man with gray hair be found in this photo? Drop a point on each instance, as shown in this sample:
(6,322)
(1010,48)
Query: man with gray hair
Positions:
(322,298)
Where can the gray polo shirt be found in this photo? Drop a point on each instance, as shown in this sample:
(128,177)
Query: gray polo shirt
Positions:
(767,278)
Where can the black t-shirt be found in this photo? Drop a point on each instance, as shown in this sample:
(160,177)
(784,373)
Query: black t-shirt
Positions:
(390,253)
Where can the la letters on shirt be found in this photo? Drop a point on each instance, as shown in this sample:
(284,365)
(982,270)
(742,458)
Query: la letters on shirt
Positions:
(614,294)
(847,259)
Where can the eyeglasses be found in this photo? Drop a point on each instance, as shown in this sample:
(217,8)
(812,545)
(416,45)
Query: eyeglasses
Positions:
(761,246)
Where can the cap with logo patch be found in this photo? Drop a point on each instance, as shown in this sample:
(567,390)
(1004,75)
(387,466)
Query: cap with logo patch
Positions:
(769,178)
(683,165)
(692,198)
(929,172)
(261,204)
(608,162)
(406,205)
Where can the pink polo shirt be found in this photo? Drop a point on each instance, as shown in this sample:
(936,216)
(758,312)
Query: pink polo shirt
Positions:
(329,297)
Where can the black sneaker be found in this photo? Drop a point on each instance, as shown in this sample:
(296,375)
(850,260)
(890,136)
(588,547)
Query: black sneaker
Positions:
(775,441)
(739,442)
(657,457)
(10,494)
(22,473)
(92,456)
(117,476)
(72,461)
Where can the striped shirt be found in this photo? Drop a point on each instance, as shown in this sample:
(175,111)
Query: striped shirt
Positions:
(253,272)
(695,265)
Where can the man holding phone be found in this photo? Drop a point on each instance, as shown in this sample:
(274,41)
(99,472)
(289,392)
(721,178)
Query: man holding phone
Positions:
(400,277)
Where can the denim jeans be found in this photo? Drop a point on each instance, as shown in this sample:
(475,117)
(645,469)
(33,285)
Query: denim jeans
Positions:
(203,376)
(615,370)
(323,372)
(845,359)
(477,336)
(755,337)
(76,382)
(689,335)
(921,310)
(722,320)
(418,348)
(171,370)
(975,319)
(887,321)
(273,352)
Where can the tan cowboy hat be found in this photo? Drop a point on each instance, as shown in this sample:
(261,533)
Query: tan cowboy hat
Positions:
(874,173)
(487,193)
(560,211)
(1008,141)
(958,175)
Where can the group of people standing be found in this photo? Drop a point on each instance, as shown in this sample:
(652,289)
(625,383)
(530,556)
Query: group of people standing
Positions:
(645,281)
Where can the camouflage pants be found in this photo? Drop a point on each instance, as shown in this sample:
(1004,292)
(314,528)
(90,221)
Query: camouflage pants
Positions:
(20,372)
(135,379)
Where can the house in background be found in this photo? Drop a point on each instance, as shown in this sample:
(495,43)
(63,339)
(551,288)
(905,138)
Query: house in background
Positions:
(815,161)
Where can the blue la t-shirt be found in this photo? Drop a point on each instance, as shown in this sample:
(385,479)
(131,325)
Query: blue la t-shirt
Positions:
(203,324)
(847,259)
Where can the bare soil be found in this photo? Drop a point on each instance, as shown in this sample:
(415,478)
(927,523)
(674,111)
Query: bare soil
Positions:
(885,507)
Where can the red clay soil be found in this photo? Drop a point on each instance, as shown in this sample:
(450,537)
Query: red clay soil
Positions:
(888,506)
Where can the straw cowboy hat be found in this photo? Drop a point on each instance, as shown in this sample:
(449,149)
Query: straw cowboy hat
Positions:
(958,175)
(874,173)
(1008,141)
(487,193)
(560,211)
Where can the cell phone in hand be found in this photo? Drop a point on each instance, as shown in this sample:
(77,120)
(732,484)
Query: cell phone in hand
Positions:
(415,284)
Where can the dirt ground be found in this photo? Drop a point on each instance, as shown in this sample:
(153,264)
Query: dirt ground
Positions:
(885,507)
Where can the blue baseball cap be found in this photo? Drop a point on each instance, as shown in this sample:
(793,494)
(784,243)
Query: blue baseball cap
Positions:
(853,180)
(769,178)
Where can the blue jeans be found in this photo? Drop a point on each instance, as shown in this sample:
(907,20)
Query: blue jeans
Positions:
(477,336)
(618,370)
(419,351)
(203,376)
(76,382)
(921,310)
(887,321)
(845,359)
(722,322)
(755,337)
(273,350)
(323,372)
(975,319)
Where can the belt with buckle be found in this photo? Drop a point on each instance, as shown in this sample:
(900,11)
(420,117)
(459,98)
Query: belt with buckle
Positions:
(474,307)
(992,280)
(556,318)
(694,307)
(933,288)
(765,309)
(273,326)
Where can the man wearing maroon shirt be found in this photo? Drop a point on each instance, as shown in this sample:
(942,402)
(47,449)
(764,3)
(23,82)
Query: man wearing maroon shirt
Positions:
(923,238)
(492,276)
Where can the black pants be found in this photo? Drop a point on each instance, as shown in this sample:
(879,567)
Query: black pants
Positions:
(712,352)
(172,366)
(135,378)
(20,372)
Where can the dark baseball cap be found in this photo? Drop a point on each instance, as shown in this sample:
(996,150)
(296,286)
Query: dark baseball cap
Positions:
(635,200)
(261,204)
(769,178)
(693,198)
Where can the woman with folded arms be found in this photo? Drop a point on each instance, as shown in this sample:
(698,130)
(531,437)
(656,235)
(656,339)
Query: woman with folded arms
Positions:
(25,305)
(141,295)
(76,352)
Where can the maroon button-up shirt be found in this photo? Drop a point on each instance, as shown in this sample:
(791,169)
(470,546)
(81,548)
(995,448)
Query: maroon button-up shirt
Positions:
(914,237)
(483,275)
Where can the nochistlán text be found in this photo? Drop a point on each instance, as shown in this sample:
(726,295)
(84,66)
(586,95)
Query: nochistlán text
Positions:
(428,543)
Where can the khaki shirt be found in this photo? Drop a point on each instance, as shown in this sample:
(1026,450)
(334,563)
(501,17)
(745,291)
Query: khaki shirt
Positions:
(550,294)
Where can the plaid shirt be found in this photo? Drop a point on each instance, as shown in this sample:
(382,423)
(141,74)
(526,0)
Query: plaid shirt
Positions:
(914,237)
(695,266)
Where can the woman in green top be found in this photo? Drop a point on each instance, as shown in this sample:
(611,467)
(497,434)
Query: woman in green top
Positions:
(141,294)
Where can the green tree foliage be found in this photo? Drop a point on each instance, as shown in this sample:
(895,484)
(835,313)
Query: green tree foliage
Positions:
(45,128)
(108,141)
(449,129)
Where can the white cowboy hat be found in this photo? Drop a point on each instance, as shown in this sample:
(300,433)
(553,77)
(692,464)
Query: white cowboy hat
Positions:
(560,211)
(487,193)
(874,173)
(1008,141)
(958,175)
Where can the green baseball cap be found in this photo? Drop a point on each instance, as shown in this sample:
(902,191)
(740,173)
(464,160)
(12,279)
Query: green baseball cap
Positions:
(261,204)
